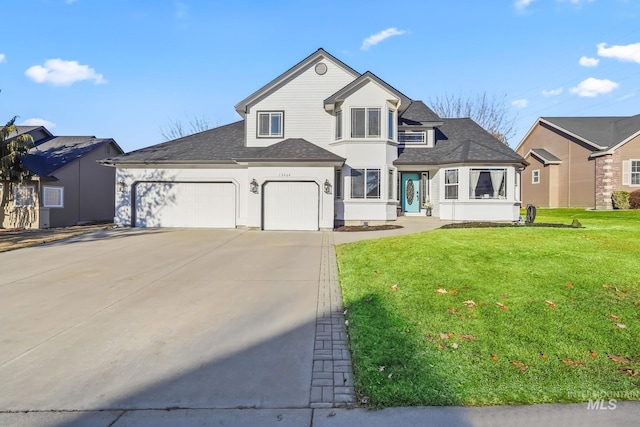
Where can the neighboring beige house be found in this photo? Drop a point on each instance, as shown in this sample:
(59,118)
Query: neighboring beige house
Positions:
(68,186)
(580,161)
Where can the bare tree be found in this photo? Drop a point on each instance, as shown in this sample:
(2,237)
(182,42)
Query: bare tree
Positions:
(492,113)
(177,129)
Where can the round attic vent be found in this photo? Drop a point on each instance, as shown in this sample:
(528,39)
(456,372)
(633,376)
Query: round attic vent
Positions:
(321,68)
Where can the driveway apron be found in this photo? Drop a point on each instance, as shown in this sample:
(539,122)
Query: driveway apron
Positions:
(160,319)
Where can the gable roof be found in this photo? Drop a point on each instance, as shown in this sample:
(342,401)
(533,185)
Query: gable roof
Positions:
(49,156)
(224,145)
(460,141)
(418,114)
(341,94)
(545,156)
(601,133)
(314,57)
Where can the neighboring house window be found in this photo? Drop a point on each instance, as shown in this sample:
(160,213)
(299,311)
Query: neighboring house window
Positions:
(390,185)
(270,124)
(24,196)
(487,183)
(535,176)
(338,184)
(365,183)
(451,184)
(338,125)
(635,172)
(365,122)
(391,124)
(53,197)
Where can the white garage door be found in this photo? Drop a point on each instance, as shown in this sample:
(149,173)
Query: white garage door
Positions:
(185,204)
(291,206)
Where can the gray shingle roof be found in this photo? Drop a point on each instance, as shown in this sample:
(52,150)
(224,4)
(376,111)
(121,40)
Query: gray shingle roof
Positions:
(605,132)
(49,156)
(418,113)
(459,141)
(225,145)
(545,155)
(292,149)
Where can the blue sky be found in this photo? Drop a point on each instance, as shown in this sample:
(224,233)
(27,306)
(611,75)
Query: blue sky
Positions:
(123,68)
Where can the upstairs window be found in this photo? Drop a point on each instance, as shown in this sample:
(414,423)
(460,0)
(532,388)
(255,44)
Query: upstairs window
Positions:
(53,197)
(390,124)
(365,123)
(338,125)
(270,124)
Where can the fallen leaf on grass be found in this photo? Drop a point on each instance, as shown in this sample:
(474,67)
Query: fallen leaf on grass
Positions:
(613,317)
(630,372)
(502,307)
(380,368)
(521,366)
(543,356)
(440,346)
(593,354)
(454,345)
(636,303)
(453,292)
(570,285)
(618,359)
(610,287)
(551,304)
(444,336)
(452,310)
(494,357)
(368,300)
(620,325)
(469,303)
(389,376)
(621,295)
(441,291)
(531,302)
(467,337)
(394,288)
(503,296)
(572,362)
(451,334)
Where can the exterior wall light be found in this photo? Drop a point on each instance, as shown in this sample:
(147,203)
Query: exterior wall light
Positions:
(122,187)
(327,186)
(253,186)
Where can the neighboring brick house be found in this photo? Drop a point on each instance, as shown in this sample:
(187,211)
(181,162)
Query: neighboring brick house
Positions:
(580,161)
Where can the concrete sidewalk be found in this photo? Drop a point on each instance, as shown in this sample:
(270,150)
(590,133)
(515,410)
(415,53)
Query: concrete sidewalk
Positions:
(625,414)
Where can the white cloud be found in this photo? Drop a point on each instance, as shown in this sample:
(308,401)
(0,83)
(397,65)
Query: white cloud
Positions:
(59,72)
(520,103)
(382,35)
(592,87)
(630,52)
(38,122)
(553,92)
(3,58)
(588,62)
(522,4)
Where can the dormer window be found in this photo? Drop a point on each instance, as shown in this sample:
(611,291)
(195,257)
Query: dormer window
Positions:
(270,124)
(365,123)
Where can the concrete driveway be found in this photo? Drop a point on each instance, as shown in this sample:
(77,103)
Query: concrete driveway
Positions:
(160,319)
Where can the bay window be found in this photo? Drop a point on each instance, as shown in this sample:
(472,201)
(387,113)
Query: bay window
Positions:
(338,125)
(487,183)
(365,122)
(365,183)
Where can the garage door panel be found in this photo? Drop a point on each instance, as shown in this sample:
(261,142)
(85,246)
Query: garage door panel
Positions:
(290,206)
(182,204)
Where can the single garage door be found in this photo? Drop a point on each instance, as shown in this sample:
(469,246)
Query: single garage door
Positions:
(185,204)
(290,206)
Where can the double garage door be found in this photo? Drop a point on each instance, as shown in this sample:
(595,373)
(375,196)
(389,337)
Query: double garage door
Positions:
(285,205)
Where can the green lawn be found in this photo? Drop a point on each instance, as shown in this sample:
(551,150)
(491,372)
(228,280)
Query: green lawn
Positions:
(530,315)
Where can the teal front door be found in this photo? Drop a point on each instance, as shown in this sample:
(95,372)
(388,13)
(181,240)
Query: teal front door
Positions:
(410,192)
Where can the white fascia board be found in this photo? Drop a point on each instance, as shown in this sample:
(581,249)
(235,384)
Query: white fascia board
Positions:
(544,161)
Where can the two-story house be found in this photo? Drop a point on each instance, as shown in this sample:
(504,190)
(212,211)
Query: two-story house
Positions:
(321,145)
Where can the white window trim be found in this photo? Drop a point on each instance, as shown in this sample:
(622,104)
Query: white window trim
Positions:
(339,126)
(391,184)
(457,184)
(44,196)
(366,122)
(504,175)
(270,134)
(391,125)
(364,190)
(535,176)
(33,196)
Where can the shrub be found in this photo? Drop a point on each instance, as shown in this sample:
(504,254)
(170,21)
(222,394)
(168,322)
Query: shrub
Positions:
(620,199)
(634,199)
